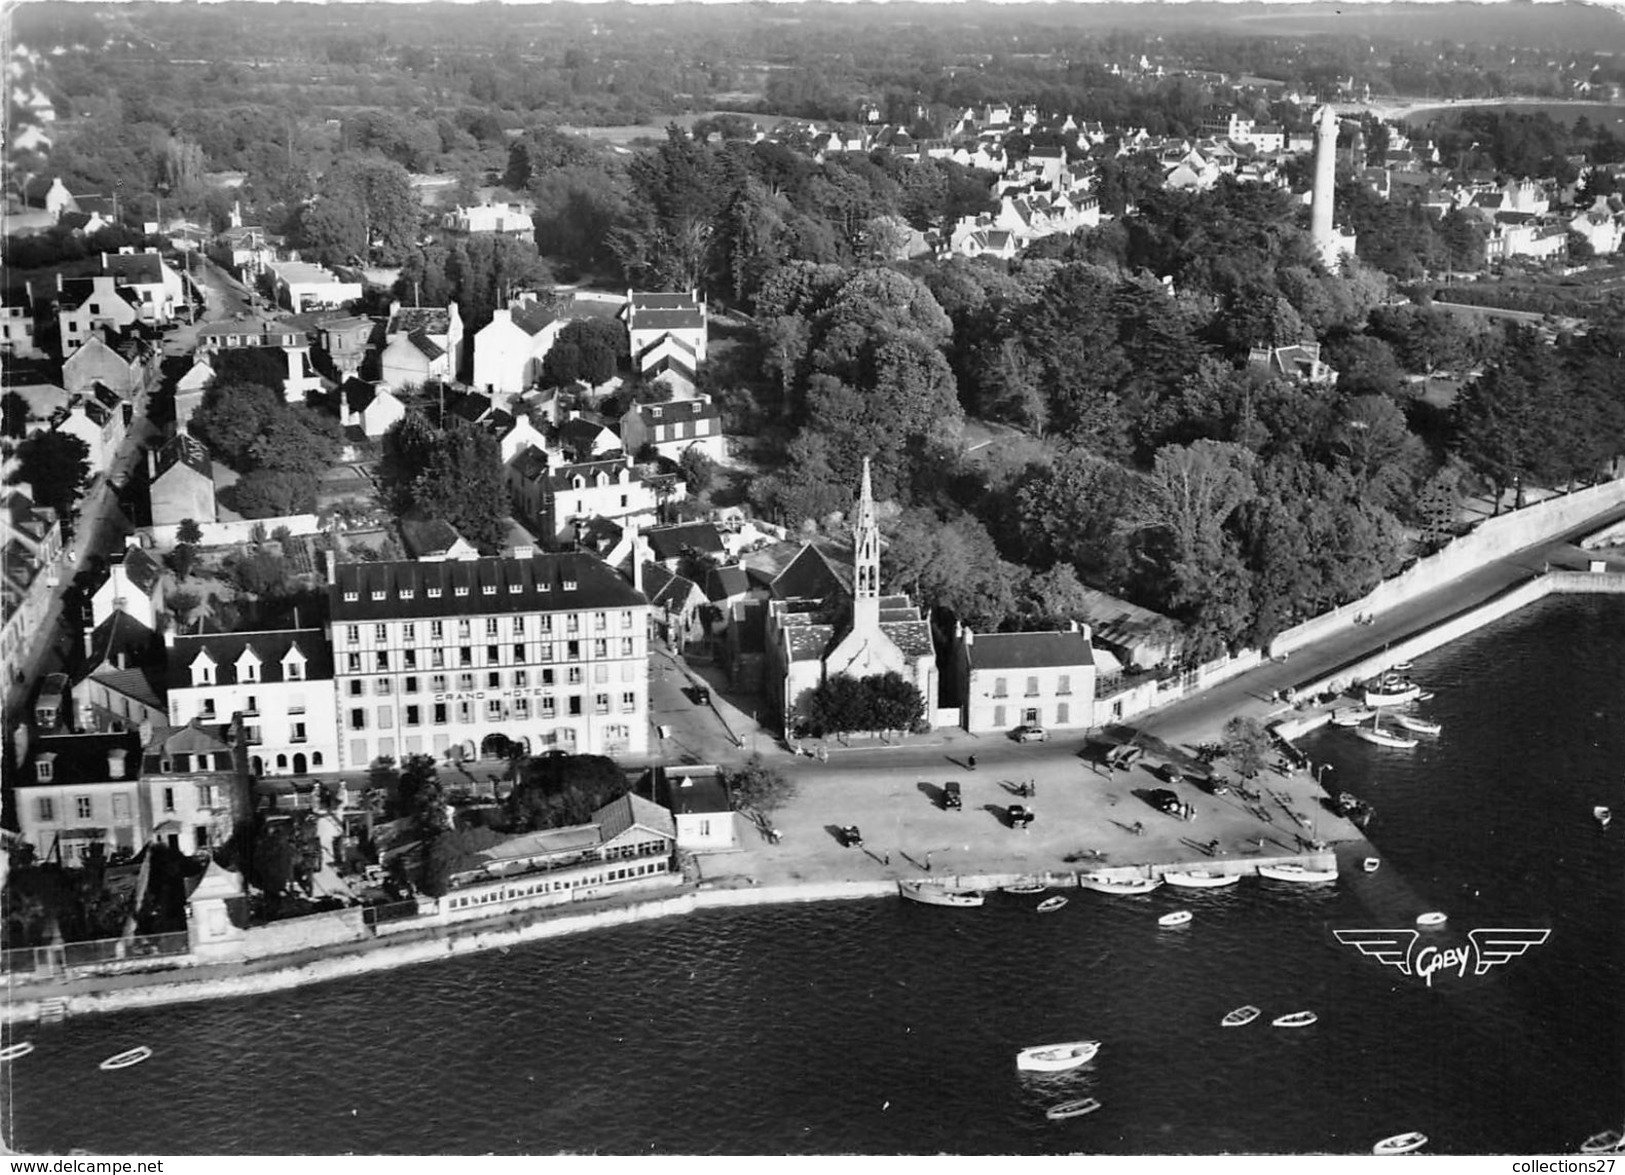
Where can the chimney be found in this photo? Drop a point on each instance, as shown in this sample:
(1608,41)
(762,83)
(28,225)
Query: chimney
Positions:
(115,762)
(90,643)
(970,638)
(637,562)
(118,660)
(169,637)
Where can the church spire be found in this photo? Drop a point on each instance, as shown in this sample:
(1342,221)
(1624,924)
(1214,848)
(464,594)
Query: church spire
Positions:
(865,556)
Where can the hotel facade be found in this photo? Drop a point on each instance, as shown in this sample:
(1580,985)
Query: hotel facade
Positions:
(465,658)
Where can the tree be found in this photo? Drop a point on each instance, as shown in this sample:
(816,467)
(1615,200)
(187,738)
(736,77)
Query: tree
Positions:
(463,484)
(755,786)
(14,414)
(842,704)
(233,417)
(56,465)
(588,349)
(1246,745)
(269,493)
(189,532)
(699,471)
(182,559)
(559,789)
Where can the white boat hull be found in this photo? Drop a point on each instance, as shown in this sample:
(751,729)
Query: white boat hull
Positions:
(1352,717)
(1057,1058)
(936,895)
(1177,918)
(1295,1020)
(1418,725)
(1075,1109)
(1297,873)
(125,1059)
(1400,1144)
(1200,879)
(1133,885)
(1241,1016)
(1383,738)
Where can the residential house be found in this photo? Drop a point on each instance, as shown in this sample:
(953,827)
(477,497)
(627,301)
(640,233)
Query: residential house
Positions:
(246,250)
(1601,229)
(79,795)
(127,366)
(370,407)
(580,439)
(194,785)
(421,343)
(509,350)
(344,339)
(189,390)
(182,482)
(673,427)
(30,544)
(1300,361)
(87,305)
(278,683)
(431,540)
(134,586)
(670,546)
(1010,679)
(97,418)
(472,657)
(1519,234)
(514,434)
(675,606)
(17,335)
(555,499)
(157,289)
(700,805)
(122,684)
(667,334)
(301,286)
(508,220)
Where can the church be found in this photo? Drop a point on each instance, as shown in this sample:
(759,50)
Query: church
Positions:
(845,627)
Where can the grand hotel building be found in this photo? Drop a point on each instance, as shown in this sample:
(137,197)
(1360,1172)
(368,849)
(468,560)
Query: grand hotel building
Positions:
(548,651)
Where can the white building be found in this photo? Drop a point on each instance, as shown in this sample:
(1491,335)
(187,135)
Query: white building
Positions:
(1041,679)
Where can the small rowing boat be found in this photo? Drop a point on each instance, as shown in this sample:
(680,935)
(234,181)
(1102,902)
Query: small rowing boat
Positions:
(1056,1058)
(127,1058)
(1352,715)
(1604,1142)
(1050,905)
(1603,815)
(1026,887)
(1400,1144)
(1295,1020)
(1301,874)
(1371,864)
(1199,878)
(1245,1014)
(1432,918)
(1418,725)
(13,1051)
(1077,1109)
(1177,918)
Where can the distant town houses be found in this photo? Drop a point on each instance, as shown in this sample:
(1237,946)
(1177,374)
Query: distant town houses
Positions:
(510,220)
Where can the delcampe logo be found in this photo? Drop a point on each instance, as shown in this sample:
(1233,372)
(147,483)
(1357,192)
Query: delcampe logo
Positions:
(1485,948)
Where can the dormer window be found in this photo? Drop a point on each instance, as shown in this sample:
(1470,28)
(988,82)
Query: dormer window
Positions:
(569,585)
(515,588)
(434,593)
(351,597)
(489,589)
(377,595)
(407,593)
(45,768)
(578,482)
(203,669)
(248,666)
(461,591)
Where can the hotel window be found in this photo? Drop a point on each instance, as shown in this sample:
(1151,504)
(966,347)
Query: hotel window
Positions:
(434,593)
(296,703)
(521,709)
(437,658)
(437,683)
(465,655)
(409,632)
(488,589)
(410,685)
(408,593)
(545,623)
(515,588)
(572,650)
(600,673)
(626,620)
(409,658)
(1063,684)
(547,677)
(440,713)
(629,701)
(299,735)
(519,652)
(490,626)
(1032,687)
(386,717)
(628,671)
(383,658)
(998,687)
(355,688)
(627,647)
(518,624)
(208,708)
(521,679)
(465,712)
(293,670)
(600,649)
(381,686)
(460,590)
(548,707)
(380,632)
(437,630)
(45,808)
(352,634)
(463,628)
(351,597)
(493,680)
(575,705)
(377,595)
(575,675)
(465,681)
(600,621)
(572,623)
(493,710)
(544,652)
(358,719)
(169,801)
(81,807)
(353,663)
(493,655)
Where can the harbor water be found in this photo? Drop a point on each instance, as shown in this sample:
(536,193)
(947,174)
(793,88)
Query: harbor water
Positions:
(883,1027)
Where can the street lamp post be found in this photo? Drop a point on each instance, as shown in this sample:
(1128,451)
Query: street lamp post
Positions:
(1321,770)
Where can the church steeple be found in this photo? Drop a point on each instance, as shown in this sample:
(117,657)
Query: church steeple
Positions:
(865,558)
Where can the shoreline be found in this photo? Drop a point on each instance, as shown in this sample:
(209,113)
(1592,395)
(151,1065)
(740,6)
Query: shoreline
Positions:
(27,1002)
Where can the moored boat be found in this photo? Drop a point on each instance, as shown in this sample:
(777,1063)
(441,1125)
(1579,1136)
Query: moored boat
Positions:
(1603,815)
(1384,738)
(1604,1142)
(1400,1144)
(13,1051)
(127,1058)
(1074,1109)
(1352,808)
(1199,878)
(1245,1014)
(936,895)
(1175,918)
(1352,715)
(1299,873)
(1026,887)
(1125,885)
(1432,918)
(1056,1058)
(1391,691)
(1371,864)
(1295,1020)
(1049,905)
(1418,725)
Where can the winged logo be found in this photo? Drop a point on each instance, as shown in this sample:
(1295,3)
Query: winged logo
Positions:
(1392,948)
(1494,946)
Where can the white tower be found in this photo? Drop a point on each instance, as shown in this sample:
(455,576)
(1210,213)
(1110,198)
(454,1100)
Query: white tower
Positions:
(1320,208)
(865,560)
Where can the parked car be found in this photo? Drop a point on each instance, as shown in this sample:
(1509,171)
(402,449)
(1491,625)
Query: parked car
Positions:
(1029,734)
(851,837)
(950,795)
(1167,802)
(1019,815)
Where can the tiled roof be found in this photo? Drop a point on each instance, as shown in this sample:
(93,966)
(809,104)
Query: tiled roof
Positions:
(503,585)
(690,793)
(619,815)
(666,589)
(913,637)
(192,739)
(136,268)
(434,320)
(122,635)
(723,582)
(430,348)
(82,758)
(428,536)
(810,575)
(135,684)
(615,470)
(531,464)
(679,410)
(184,449)
(1029,650)
(531,319)
(141,569)
(700,538)
(808,642)
(666,320)
(225,648)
